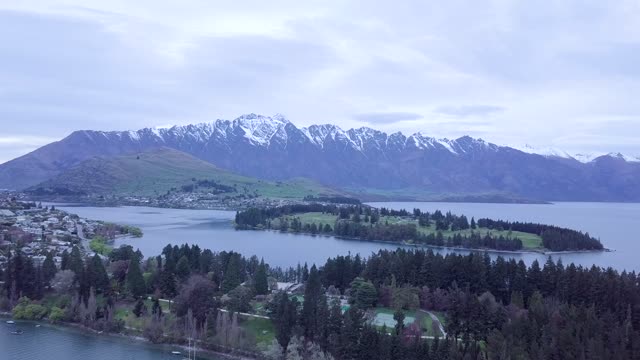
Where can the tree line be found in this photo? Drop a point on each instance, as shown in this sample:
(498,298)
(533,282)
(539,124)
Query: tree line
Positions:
(363,222)
(495,309)
(553,237)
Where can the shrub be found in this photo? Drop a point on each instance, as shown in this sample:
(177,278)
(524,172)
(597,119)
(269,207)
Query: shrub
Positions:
(56,315)
(25,310)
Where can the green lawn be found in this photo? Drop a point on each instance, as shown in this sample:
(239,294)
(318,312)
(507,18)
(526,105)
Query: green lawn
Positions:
(317,218)
(529,241)
(262,329)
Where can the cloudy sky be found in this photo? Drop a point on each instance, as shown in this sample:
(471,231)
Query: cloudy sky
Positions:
(563,75)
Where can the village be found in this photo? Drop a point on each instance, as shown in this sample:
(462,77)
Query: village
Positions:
(38,229)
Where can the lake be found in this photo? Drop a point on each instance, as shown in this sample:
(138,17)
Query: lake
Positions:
(58,343)
(614,223)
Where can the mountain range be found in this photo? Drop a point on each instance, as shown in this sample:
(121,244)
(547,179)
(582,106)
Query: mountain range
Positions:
(360,160)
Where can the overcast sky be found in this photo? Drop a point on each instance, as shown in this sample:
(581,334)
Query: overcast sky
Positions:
(564,74)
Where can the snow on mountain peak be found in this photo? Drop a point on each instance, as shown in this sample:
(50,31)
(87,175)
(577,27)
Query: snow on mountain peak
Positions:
(260,129)
(266,131)
(543,151)
(581,157)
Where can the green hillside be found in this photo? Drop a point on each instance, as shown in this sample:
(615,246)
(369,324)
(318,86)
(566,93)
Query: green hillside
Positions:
(164,170)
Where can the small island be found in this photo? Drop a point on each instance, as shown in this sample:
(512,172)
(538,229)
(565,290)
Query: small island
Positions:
(416,228)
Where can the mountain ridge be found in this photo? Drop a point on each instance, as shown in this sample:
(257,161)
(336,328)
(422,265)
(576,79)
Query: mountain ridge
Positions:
(274,148)
(158,171)
(318,132)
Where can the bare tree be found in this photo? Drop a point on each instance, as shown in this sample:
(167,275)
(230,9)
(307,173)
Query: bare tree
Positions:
(63,281)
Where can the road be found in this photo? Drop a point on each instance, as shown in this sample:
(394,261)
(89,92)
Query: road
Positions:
(84,241)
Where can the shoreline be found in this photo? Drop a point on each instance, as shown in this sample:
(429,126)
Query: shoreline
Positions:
(81,203)
(134,339)
(532,251)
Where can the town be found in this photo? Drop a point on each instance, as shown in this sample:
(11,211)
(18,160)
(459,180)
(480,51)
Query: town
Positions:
(38,230)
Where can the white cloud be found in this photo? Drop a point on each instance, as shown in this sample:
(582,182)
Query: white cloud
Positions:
(516,71)
(12,146)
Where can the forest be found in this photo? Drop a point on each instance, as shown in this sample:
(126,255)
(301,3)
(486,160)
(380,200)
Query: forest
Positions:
(493,309)
(367,223)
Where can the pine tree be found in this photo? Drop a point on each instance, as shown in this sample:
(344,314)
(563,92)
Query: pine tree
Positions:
(48,269)
(64,262)
(233,274)
(140,308)
(168,284)
(183,270)
(135,281)
(312,294)
(398,316)
(75,261)
(260,281)
(285,319)
(156,309)
(96,274)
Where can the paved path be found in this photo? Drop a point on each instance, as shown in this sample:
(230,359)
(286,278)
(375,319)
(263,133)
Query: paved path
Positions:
(437,321)
(247,314)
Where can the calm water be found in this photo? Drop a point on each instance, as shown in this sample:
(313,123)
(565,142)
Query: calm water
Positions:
(56,343)
(615,224)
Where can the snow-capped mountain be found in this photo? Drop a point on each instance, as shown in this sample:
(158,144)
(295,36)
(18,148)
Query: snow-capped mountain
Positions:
(581,157)
(274,148)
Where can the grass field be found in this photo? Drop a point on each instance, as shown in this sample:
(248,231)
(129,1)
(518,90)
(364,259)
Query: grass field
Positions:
(262,329)
(529,241)
(317,218)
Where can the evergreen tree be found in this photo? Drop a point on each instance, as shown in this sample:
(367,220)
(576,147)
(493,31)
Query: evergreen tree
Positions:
(48,269)
(260,281)
(364,293)
(168,284)
(183,269)
(96,274)
(75,261)
(285,319)
(233,274)
(312,294)
(135,281)
(398,316)
(140,308)
(156,309)
(38,286)
(64,261)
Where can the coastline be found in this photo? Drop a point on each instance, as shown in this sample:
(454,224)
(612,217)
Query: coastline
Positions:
(76,327)
(404,243)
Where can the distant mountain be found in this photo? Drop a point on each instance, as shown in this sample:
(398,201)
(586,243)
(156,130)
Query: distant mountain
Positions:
(156,171)
(582,157)
(361,160)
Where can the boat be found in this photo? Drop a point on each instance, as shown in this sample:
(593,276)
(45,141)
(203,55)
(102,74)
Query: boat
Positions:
(38,325)
(176,353)
(17,332)
(10,322)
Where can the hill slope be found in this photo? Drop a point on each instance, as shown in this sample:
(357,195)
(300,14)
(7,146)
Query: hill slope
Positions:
(157,171)
(273,148)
